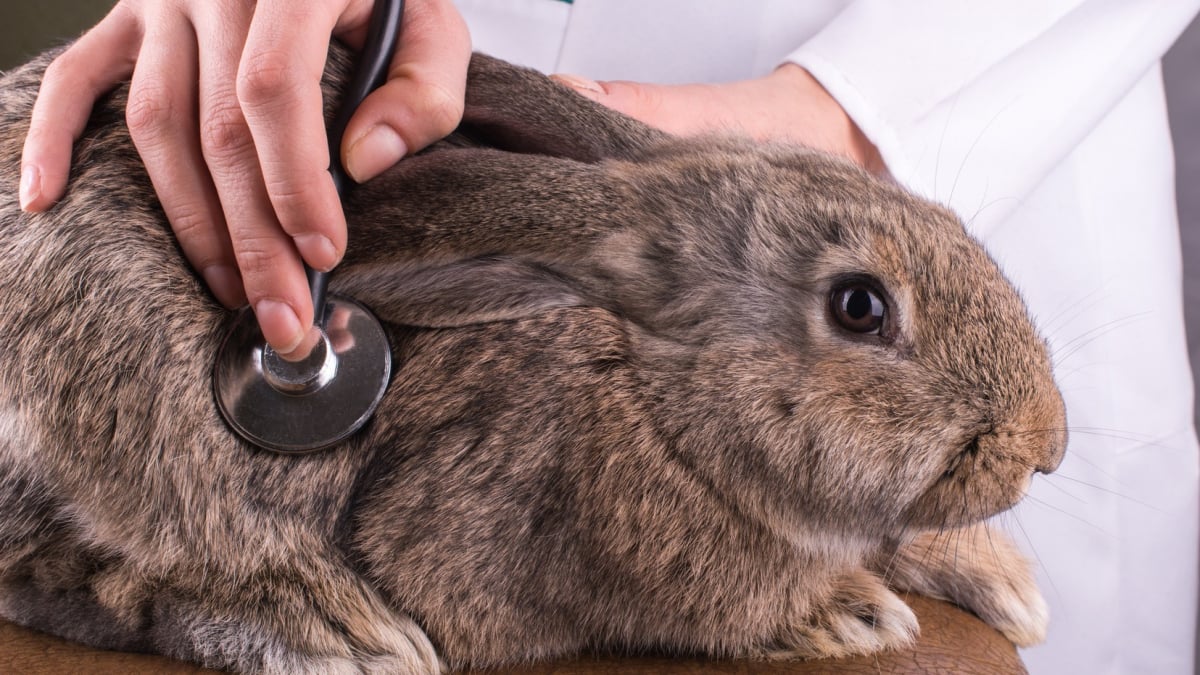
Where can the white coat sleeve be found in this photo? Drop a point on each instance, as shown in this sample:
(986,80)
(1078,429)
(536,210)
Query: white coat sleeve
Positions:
(973,103)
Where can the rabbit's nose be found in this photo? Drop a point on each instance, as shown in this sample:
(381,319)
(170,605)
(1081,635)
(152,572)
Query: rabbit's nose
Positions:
(1052,456)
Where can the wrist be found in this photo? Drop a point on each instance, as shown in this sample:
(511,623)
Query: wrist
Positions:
(808,102)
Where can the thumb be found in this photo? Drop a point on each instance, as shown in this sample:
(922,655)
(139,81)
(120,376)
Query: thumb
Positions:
(401,117)
(421,101)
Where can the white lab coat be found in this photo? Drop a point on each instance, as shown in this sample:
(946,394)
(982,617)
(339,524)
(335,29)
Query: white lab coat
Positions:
(1042,123)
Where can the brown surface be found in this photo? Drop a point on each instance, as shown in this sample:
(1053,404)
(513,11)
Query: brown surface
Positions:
(952,641)
(28,653)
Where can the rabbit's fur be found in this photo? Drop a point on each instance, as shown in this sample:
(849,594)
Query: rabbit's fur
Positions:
(622,417)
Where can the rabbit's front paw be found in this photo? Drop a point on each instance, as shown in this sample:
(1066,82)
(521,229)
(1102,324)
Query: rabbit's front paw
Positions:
(1013,605)
(861,616)
(289,621)
(979,569)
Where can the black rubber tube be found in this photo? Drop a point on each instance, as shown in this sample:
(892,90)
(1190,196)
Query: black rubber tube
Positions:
(382,35)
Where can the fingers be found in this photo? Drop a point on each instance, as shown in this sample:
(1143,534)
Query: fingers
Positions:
(225,109)
(279,87)
(96,62)
(422,100)
(787,104)
(270,266)
(678,109)
(162,119)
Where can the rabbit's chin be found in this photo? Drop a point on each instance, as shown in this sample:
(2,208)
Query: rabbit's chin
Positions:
(970,494)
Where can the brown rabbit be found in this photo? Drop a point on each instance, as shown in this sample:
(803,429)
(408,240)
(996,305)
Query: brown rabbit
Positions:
(693,396)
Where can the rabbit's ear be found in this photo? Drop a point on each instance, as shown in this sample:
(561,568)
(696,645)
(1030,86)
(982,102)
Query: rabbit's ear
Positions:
(459,293)
(520,110)
(467,236)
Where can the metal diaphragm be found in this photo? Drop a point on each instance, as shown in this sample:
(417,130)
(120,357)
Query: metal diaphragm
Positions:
(299,407)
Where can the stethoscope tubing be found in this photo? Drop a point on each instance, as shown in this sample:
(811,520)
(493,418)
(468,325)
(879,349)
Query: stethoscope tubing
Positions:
(383,34)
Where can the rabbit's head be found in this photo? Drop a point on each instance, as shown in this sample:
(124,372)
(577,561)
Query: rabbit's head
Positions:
(848,347)
(858,354)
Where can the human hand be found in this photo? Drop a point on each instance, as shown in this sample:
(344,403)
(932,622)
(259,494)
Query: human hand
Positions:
(786,104)
(225,110)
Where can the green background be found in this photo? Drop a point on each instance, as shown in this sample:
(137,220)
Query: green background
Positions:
(30,26)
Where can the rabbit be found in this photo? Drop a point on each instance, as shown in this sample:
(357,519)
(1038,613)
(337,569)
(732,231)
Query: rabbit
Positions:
(692,396)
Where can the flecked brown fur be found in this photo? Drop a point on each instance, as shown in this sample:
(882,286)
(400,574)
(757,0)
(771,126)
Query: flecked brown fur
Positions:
(622,417)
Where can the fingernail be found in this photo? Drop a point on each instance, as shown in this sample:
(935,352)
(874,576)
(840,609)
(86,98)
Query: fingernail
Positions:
(589,88)
(317,251)
(31,186)
(374,152)
(311,337)
(225,283)
(277,318)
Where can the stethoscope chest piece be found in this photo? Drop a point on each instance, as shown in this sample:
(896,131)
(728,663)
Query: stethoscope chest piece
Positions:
(298,407)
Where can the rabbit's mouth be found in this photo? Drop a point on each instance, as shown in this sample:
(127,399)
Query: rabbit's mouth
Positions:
(968,453)
(981,479)
(992,467)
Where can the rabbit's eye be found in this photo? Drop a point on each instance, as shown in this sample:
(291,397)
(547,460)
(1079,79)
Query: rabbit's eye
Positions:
(858,308)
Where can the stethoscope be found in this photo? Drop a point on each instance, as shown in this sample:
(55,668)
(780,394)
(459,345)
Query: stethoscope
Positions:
(298,407)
